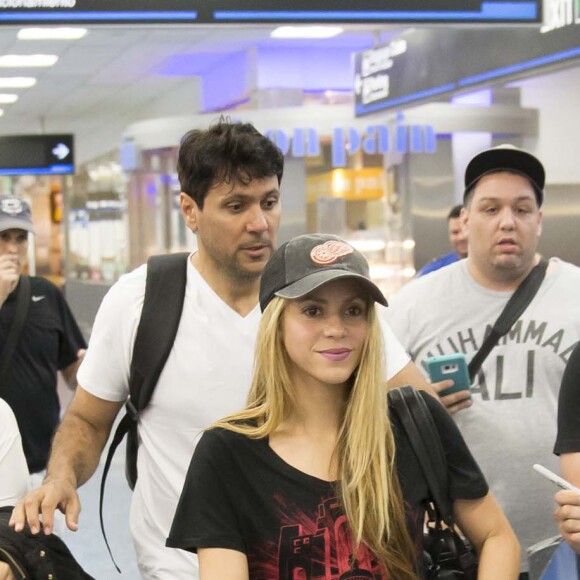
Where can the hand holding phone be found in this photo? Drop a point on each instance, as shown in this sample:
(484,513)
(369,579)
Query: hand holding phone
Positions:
(449,366)
(559,481)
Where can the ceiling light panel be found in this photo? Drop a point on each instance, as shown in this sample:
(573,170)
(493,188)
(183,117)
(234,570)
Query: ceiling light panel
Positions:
(17,82)
(306,31)
(7,99)
(27,60)
(60,33)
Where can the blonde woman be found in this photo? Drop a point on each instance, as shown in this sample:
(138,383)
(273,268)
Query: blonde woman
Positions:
(312,479)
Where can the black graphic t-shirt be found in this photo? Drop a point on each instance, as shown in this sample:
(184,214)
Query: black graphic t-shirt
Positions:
(240,495)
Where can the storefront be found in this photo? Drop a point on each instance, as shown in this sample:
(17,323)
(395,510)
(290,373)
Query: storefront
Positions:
(384,179)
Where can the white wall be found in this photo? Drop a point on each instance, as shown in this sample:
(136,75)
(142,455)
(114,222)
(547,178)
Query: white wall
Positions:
(557,97)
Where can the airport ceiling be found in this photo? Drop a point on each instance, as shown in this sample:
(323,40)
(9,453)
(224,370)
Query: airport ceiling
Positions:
(117,70)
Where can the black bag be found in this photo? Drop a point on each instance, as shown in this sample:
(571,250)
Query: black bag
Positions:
(32,557)
(446,554)
(162,307)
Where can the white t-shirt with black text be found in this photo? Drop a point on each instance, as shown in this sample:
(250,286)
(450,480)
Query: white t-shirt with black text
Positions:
(512,422)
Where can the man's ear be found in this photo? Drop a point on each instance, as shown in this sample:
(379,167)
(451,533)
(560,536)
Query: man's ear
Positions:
(189,211)
(464,217)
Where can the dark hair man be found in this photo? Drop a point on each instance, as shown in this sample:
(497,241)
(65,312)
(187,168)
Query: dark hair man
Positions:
(511,421)
(457,239)
(230,178)
(49,339)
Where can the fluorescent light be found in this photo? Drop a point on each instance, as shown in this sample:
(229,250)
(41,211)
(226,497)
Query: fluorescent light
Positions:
(1,112)
(61,33)
(7,99)
(17,82)
(26,60)
(306,32)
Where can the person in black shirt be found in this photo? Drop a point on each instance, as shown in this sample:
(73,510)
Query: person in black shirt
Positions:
(50,339)
(568,448)
(306,482)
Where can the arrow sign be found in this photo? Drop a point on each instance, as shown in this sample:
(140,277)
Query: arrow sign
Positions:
(61,151)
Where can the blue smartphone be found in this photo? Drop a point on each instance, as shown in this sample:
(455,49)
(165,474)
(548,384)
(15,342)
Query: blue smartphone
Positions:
(449,366)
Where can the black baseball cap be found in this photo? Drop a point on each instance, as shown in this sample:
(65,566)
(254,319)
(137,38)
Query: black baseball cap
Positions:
(15,214)
(508,158)
(307,262)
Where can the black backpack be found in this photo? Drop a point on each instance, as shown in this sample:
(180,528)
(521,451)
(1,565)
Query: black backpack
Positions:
(31,556)
(162,307)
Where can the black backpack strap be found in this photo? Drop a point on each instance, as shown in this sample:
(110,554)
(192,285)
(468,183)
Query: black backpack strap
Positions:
(514,308)
(20,315)
(120,432)
(162,307)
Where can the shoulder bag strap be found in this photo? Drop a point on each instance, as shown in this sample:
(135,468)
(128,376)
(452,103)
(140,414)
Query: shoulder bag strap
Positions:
(426,443)
(514,308)
(20,314)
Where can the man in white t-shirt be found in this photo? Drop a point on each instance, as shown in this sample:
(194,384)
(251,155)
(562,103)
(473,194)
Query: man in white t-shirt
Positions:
(511,420)
(230,177)
(14,476)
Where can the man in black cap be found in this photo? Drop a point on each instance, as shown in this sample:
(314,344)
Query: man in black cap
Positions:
(510,421)
(38,337)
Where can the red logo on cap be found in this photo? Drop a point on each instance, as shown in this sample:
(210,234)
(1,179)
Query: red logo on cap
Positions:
(329,252)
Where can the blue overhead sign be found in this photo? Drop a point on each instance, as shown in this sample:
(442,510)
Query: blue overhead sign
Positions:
(36,155)
(268,11)
(422,65)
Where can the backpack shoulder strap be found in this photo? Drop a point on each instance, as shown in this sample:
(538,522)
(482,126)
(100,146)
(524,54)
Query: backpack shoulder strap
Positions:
(158,325)
(162,307)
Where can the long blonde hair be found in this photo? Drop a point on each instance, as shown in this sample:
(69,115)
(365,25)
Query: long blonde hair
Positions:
(367,484)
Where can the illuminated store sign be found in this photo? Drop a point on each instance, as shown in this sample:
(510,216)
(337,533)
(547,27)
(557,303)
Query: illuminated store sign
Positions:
(36,155)
(207,11)
(375,139)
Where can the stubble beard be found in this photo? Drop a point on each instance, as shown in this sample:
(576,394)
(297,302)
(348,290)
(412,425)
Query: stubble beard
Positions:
(237,273)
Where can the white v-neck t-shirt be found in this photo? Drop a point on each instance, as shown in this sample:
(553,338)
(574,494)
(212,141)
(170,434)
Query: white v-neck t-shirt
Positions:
(206,377)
